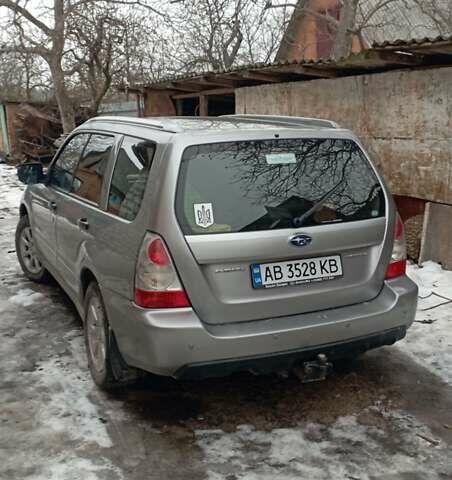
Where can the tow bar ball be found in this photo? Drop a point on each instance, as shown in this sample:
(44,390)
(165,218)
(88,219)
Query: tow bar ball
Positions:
(314,370)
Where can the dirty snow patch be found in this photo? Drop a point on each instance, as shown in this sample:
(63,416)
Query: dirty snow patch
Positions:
(11,189)
(346,449)
(75,468)
(69,409)
(429,340)
(25,297)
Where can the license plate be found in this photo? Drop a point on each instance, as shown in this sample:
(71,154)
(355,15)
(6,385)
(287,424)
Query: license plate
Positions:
(296,272)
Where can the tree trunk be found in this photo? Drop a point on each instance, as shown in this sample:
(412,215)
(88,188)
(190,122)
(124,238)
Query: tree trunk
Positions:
(343,42)
(65,106)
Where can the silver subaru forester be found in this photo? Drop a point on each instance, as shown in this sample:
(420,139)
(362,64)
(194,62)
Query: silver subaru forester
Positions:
(196,247)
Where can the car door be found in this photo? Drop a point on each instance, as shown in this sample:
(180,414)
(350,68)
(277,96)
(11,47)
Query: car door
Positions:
(79,216)
(123,221)
(45,198)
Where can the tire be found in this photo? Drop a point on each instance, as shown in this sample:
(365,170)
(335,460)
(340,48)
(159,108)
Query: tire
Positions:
(26,253)
(107,367)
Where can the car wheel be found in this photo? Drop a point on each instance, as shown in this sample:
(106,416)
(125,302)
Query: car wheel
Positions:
(27,254)
(105,362)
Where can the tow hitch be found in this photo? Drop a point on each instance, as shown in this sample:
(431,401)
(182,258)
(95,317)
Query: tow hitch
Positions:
(315,370)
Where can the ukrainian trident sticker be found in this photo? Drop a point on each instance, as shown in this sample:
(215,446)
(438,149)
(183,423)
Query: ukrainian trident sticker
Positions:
(203,214)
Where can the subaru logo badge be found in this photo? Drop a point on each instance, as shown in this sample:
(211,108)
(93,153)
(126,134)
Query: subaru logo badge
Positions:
(300,240)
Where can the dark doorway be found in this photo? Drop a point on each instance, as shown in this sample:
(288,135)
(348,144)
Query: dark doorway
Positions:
(216,105)
(221,105)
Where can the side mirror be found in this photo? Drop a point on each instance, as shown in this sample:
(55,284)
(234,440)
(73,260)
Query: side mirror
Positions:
(30,173)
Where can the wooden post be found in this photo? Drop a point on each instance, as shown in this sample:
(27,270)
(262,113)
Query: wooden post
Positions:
(179,109)
(203,106)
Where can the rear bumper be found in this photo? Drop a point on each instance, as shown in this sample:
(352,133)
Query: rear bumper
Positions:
(287,360)
(178,344)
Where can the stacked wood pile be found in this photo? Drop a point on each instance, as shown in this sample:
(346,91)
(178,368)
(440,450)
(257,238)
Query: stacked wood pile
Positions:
(34,131)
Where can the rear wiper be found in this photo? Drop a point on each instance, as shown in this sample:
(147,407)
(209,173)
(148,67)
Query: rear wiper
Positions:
(298,221)
(277,215)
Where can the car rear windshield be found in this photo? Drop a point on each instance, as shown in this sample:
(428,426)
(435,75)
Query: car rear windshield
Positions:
(272,184)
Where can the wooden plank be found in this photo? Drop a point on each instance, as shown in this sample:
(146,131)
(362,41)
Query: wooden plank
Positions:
(215,80)
(308,71)
(398,58)
(215,91)
(262,77)
(179,86)
(377,58)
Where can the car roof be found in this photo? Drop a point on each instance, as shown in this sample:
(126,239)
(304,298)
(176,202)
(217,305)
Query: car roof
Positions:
(218,124)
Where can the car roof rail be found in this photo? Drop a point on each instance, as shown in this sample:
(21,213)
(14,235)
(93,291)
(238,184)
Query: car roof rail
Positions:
(164,124)
(284,120)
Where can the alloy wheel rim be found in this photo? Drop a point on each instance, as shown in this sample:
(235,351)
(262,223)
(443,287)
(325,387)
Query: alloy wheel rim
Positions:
(28,251)
(96,334)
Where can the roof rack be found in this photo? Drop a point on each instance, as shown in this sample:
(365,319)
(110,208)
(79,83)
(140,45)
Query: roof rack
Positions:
(285,120)
(164,124)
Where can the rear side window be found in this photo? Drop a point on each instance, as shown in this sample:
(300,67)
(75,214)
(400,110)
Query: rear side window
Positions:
(274,184)
(130,176)
(89,174)
(62,172)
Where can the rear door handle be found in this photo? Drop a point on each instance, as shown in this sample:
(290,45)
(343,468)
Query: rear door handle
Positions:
(52,206)
(83,223)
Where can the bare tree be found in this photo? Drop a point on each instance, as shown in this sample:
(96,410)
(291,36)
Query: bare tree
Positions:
(23,76)
(97,54)
(36,37)
(345,28)
(217,34)
(439,12)
(44,32)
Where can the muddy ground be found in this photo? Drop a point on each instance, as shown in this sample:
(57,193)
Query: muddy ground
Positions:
(386,416)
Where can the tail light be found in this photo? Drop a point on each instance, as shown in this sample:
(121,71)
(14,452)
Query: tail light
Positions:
(397,266)
(157,284)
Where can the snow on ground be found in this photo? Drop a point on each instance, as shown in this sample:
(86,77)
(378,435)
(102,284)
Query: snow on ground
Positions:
(11,195)
(71,467)
(58,399)
(348,449)
(25,297)
(53,399)
(429,340)
(344,450)
(69,409)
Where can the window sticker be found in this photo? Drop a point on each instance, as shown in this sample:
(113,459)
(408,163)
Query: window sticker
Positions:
(203,214)
(280,158)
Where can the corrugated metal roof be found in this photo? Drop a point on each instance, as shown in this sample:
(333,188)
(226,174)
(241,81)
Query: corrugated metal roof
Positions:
(381,56)
(414,42)
(240,68)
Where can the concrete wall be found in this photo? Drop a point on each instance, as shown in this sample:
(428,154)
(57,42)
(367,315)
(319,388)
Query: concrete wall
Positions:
(403,117)
(437,235)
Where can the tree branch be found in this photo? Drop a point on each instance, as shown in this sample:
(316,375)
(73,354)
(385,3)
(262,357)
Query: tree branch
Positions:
(16,8)
(22,49)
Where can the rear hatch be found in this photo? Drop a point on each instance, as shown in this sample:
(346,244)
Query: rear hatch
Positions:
(279,227)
